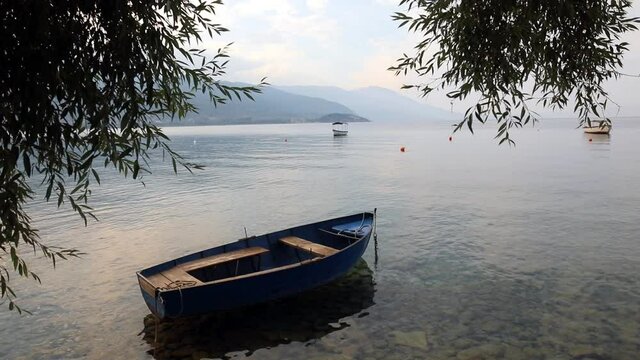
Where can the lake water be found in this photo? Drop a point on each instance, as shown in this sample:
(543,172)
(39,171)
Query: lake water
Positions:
(484,251)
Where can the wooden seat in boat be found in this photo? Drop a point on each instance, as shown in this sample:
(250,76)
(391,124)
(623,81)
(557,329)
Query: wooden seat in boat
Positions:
(172,278)
(223,258)
(313,248)
(178,276)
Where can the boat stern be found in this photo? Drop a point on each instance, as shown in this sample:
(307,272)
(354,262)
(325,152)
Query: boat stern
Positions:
(151,296)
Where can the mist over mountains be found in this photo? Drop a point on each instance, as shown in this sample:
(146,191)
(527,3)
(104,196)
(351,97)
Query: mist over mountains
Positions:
(376,103)
(302,104)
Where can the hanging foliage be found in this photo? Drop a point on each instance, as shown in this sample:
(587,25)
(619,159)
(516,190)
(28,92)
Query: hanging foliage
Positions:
(513,52)
(82,85)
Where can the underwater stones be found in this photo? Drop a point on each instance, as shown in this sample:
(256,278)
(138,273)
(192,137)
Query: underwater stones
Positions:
(492,326)
(159,353)
(535,353)
(170,338)
(321,326)
(182,352)
(356,334)
(413,339)
(306,323)
(515,353)
(331,357)
(293,335)
(188,340)
(232,335)
(197,355)
(149,321)
(271,336)
(351,350)
(440,353)
(583,351)
(464,343)
(482,352)
(333,343)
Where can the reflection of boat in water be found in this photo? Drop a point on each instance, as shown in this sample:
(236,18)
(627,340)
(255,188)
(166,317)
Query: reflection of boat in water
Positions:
(256,269)
(598,138)
(310,315)
(340,128)
(597,127)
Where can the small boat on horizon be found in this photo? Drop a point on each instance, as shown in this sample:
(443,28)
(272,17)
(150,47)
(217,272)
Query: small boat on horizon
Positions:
(256,269)
(597,127)
(340,128)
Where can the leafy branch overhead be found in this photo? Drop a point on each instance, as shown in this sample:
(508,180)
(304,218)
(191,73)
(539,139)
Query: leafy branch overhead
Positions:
(513,52)
(82,86)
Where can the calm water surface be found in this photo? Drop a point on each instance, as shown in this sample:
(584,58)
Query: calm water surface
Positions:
(530,252)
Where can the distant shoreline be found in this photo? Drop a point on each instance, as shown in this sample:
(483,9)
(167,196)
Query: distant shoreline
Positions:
(179,124)
(325,119)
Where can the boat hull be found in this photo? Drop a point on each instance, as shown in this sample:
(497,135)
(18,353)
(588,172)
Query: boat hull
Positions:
(597,127)
(339,132)
(248,289)
(597,130)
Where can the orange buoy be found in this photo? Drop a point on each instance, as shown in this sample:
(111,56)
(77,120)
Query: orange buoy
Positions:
(402,149)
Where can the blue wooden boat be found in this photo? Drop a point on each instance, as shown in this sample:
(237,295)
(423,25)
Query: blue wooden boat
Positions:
(256,269)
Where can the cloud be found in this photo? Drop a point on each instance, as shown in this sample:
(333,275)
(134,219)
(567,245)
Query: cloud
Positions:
(273,60)
(373,70)
(316,5)
(282,40)
(279,19)
(346,43)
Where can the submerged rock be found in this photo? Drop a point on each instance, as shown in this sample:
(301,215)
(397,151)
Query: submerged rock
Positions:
(331,357)
(482,352)
(182,352)
(414,339)
(516,353)
(199,355)
(585,351)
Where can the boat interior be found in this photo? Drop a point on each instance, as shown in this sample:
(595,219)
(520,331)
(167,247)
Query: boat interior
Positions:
(258,254)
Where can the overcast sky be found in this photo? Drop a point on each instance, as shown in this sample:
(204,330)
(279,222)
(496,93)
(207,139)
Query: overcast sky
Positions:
(349,44)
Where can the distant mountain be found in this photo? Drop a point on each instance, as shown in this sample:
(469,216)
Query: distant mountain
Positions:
(271,106)
(375,103)
(330,118)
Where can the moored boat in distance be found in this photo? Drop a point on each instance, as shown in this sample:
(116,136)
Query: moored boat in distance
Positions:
(340,128)
(257,268)
(597,127)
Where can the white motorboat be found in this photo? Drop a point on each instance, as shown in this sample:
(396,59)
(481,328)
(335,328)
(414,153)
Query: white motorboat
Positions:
(340,128)
(597,127)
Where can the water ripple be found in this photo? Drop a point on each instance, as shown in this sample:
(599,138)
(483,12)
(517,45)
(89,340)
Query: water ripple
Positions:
(484,251)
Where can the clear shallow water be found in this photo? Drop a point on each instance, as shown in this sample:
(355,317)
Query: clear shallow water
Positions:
(530,252)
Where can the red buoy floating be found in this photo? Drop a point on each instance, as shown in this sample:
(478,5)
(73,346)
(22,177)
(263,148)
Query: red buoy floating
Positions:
(402,149)
(590,140)
(450,138)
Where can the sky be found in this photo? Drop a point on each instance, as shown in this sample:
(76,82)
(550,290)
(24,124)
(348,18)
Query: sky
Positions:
(350,44)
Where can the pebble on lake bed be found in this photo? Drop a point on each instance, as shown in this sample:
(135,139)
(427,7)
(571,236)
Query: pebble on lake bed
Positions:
(414,339)
(486,351)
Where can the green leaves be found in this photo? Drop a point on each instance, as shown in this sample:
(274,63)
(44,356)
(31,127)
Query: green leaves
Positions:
(511,53)
(85,88)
